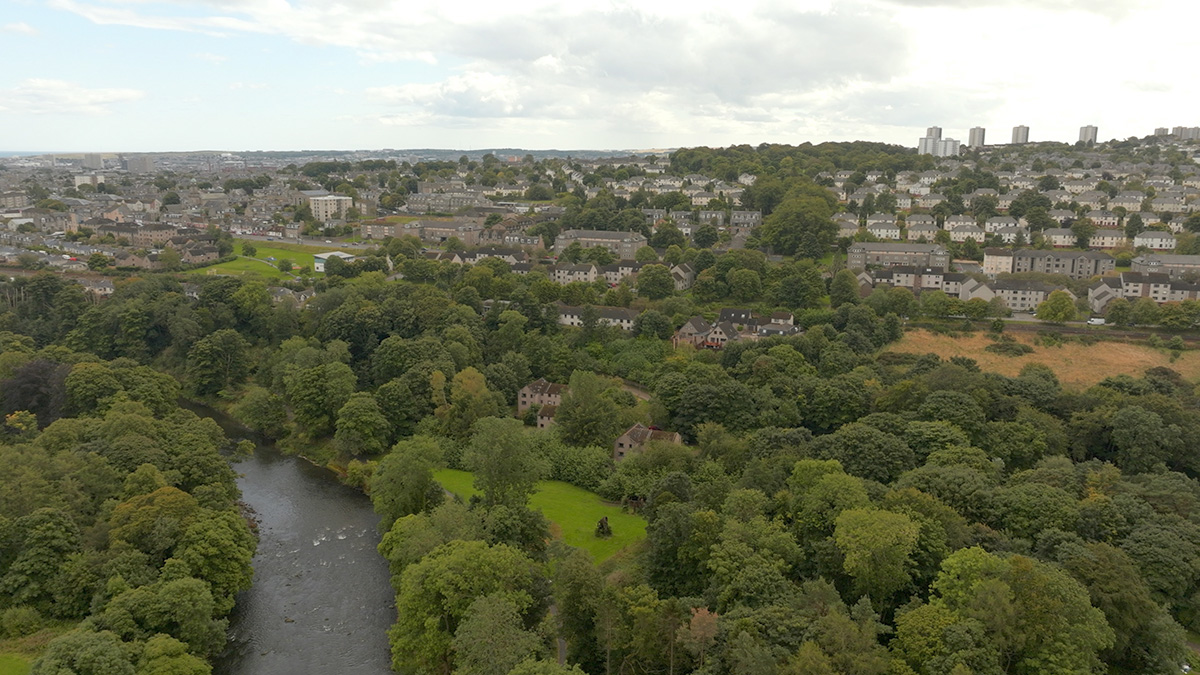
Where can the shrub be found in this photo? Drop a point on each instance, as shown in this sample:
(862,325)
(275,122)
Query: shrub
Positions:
(19,621)
(1006,348)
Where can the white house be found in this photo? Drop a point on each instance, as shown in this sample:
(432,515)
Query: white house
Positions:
(320,258)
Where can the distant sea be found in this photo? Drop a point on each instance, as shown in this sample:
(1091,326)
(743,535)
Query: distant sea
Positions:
(21,153)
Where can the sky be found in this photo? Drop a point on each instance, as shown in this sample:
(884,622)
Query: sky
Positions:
(177,75)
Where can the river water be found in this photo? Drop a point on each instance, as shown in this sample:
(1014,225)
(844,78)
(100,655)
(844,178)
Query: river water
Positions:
(320,602)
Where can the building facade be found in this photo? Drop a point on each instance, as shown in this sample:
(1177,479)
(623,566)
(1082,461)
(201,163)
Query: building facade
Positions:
(863,255)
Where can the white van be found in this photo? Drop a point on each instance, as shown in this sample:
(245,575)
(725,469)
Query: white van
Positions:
(1096,321)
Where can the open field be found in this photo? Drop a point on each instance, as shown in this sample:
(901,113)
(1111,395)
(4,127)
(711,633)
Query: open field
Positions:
(300,254)
(11,664)
(244,266)
(1078,366)
(573,510)
(294,252)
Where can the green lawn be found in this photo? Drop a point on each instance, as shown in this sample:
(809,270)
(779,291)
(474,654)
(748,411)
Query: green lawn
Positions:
(249,266)
(574,510)
(299,254)
(293,252)
(11,664)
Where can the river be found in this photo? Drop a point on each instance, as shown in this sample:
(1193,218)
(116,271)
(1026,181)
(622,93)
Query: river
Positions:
(321,601)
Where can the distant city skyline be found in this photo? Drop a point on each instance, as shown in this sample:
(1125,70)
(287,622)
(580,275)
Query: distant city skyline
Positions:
(180,75)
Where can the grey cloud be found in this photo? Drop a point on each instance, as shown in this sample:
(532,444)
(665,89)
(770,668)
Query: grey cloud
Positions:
(778,49)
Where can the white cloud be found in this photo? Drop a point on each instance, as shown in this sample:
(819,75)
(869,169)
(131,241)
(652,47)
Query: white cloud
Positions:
(19,27)
(52,97)
(755,70)
(208,57)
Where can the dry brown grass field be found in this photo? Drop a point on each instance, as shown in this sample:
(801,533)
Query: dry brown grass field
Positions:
(1078,366)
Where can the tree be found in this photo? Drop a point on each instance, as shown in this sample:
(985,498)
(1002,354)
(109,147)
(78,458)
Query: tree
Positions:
(285,265)
(586,416)
(218,361)
(705,236)
(1147,639)
(403,482)
(666,235)
(316,394)
(877,546)
(744,285)
(361,427)
(506,468)
(866,452)
(843,289)
(434,595)
(1145,312)
(801,225)
(654,282)
(1119,312)
(654,324)
(470,400)
(1035,615)
(1143,442)
(85,652)
(98,261)
(218,550)
(249,250)
(264,412)
(1058,308)
(645,254)
(164,655)
(1083,229)
(492,639)
(170,260)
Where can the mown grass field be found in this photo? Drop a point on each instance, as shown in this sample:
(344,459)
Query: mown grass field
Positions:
(294,252)
(11,664)
(573,511)
(244,266)
(300,255)
(1077,366)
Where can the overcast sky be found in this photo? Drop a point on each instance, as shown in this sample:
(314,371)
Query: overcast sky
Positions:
(147,75)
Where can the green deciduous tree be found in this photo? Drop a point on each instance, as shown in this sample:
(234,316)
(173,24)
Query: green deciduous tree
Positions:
(1058,308)
(801,225)
(492,638)
(878,547)
(587,417)
(85,652)
(218,361)
(361,427)
(434,596)
(843,289)
(654,282)
(506,468)
(403,483)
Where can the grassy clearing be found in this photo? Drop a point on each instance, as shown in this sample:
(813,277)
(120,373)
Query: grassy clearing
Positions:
(281,251)
(1077,366)
(573,511)
(11,664)
(18,654)
(301,255)
(244,266)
